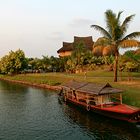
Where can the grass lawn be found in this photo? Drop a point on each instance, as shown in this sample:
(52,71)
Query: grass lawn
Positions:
(131,89)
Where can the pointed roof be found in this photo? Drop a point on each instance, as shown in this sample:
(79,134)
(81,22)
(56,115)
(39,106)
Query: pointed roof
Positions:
(87,41)
(67,46)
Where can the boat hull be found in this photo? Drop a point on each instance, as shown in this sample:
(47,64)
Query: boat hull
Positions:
(130,116)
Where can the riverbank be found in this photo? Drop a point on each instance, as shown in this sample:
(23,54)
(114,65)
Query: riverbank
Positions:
(131,94)
(46,86)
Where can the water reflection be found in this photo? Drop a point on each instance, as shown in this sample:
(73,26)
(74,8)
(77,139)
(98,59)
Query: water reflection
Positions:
(28,113)
(99,127)
(12,87)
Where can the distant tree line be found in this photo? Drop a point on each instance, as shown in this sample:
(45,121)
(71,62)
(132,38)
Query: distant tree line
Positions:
(81,60)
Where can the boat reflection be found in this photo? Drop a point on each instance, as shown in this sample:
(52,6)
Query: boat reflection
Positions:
(100,127)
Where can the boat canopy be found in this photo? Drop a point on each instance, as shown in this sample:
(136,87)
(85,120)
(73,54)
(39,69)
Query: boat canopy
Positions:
(91,88)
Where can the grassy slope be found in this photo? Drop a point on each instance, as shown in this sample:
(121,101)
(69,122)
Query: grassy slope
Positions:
(131,89)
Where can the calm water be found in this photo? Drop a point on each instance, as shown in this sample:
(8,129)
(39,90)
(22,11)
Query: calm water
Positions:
(28,113)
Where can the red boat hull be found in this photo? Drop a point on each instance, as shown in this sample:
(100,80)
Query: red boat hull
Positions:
(112,110)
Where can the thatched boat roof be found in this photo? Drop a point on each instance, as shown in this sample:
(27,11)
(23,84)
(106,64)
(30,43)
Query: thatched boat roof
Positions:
(91,88)
(74,85)
(87,41)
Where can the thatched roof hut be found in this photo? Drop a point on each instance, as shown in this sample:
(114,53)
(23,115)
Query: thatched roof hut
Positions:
(97,51)
(108,50)
(103,50)
(87,41)
(91,88)
(67,47)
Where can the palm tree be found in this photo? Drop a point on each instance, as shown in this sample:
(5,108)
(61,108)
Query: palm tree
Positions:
(114,34)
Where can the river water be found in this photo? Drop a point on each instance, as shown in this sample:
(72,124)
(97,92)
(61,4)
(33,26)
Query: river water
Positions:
(28,113)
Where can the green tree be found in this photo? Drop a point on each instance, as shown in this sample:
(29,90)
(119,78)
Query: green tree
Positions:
(114,34)
(132,56)
(79,56)
(133,63)
(14,62)
(45,63)
(62,63)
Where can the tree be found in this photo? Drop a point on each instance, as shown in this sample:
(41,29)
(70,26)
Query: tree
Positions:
(133,57)
(14,62)
(114,34)
(45,63)
(133,62)
(79,56)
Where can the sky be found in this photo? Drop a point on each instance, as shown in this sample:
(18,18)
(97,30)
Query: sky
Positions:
(39,27)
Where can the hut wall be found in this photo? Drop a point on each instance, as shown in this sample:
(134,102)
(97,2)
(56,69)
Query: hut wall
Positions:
(66,53)
(103,99)
(106,99)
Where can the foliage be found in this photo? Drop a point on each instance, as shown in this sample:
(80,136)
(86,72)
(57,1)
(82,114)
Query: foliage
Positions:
(47,64)
(130,61)
(132,56)
(14,62)
(83,60)
(115,34)
(108,60)
(80,57)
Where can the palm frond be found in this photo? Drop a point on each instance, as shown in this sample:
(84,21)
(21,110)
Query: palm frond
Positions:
(132,35)
(113,24)
(129,43)
(101,30)
(119,14)
(110,20)
(126,22)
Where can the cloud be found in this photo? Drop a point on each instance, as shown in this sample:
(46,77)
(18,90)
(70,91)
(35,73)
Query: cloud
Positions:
(56,36)
(81,22)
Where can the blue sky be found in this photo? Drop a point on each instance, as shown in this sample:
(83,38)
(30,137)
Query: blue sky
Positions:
(39,27)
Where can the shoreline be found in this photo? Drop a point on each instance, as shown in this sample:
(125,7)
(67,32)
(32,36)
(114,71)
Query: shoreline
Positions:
(45,86)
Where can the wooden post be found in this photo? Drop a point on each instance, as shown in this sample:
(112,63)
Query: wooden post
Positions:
(87,101)
(77,95)
(65,96)
(120,98)
(101,101)
(72,94)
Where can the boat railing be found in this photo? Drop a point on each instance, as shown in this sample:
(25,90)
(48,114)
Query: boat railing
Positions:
(116,98)
(109,104)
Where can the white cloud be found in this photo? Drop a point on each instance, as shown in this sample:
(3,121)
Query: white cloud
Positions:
(81,22)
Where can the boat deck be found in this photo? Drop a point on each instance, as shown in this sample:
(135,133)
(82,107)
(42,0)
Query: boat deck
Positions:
(121,108)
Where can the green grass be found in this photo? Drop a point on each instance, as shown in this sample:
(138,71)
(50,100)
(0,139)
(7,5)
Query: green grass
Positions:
(131,93)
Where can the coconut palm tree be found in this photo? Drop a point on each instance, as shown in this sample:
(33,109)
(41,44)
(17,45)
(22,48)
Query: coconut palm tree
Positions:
(115,34)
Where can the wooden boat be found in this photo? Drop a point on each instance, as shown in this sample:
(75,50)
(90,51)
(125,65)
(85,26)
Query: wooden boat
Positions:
(101,99)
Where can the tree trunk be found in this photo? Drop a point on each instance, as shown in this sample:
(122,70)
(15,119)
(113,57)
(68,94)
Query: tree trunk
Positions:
(116,67)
